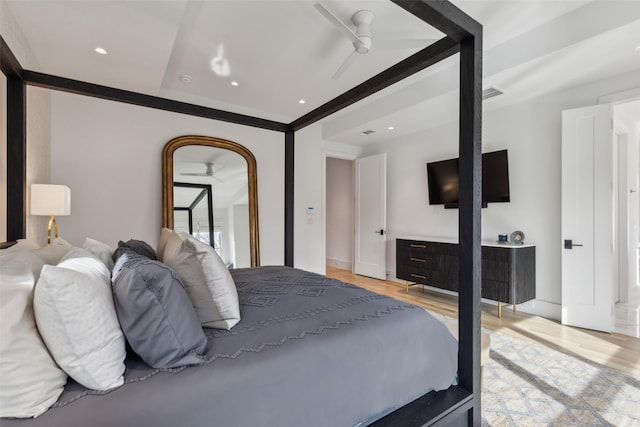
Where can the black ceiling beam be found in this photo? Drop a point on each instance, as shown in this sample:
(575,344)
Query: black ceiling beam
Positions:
(444,16)
(428,56)
(197,200)
(112,94)
(9,65)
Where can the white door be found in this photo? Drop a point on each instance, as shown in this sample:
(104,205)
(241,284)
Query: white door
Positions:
(371,216)
(587,218)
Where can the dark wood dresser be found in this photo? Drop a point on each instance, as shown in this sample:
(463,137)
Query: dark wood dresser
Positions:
(508,271)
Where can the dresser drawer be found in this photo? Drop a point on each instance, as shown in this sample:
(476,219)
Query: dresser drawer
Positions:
(422,276)
(416,250)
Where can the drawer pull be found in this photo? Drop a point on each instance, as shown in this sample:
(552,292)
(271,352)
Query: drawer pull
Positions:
(417,259)
(418,246)
(418,276)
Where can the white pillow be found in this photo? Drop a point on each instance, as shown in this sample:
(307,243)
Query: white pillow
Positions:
(53,253)
(22,244)
(30,380)
(76,317)
(102,251)
(165,234)
(205,278)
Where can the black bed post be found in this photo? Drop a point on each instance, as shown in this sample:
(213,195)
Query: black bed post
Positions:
(16,109)
(470,250)
(289,162)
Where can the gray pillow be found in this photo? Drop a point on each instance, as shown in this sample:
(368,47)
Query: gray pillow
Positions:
(138,246)
(155,313)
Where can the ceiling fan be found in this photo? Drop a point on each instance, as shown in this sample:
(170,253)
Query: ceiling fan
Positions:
(362,37)
(209,172)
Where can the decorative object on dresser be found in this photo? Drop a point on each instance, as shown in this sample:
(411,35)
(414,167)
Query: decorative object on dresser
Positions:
(50,200)
(508,271)
(517,237)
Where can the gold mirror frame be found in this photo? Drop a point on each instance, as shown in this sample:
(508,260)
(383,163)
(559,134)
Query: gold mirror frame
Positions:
(208,141)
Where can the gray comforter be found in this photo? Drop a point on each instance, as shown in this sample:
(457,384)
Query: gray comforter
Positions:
(309,351)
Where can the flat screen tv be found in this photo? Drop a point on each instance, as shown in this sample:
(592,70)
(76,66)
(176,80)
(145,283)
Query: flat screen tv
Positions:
(443,180)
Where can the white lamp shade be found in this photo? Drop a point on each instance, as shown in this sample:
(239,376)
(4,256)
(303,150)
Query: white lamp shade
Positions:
(47,199)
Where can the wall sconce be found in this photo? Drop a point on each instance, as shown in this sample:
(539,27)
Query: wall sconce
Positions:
(50,200)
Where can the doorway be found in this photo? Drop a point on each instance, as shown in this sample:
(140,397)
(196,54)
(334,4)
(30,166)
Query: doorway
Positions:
(627,140)
(340,213)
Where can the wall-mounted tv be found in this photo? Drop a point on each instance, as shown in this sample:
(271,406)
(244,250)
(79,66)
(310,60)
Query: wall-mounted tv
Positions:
(443,180)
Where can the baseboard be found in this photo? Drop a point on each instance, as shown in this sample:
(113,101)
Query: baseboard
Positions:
(344,265)
(549,310)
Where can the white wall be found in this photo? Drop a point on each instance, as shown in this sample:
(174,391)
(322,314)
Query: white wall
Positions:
(531,131)
(110,155)
(340,206)
(38,154)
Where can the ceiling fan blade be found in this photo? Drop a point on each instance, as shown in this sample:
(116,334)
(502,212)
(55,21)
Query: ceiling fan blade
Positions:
(347,62)
(404,44)
(203,175)
(344,28)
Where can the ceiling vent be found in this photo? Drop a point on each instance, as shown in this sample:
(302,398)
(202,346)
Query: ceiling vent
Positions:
(368,132)
(490,93)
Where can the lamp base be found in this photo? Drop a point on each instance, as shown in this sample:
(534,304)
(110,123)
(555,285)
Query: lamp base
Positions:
(54,224)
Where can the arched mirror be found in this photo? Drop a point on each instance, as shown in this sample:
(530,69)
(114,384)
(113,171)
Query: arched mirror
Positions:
(209,189)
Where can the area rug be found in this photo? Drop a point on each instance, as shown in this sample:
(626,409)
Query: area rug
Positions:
(528,384)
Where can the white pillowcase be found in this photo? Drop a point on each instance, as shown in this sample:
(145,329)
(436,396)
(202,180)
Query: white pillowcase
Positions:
(30,380)
(165,234)
(102,251)
(22,244)
(205,278)
(76,317)
(53,253)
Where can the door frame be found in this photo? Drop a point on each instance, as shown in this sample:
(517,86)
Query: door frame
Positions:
(617,98)
(621,218)
(334,154)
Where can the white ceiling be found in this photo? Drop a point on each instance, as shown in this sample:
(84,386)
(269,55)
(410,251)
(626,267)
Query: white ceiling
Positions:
(280,51)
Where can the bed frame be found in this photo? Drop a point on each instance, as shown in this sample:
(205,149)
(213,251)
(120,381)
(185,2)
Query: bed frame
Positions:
(459,404)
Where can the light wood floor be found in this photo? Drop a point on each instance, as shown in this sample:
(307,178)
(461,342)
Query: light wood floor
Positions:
(621,352)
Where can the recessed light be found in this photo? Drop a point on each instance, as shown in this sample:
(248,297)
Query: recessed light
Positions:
(390,128)
(302,101)
(185,78)
(101,50)
(234,83)
(638,49)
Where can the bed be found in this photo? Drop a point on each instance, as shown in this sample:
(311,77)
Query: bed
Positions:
(463,35)
(309,350)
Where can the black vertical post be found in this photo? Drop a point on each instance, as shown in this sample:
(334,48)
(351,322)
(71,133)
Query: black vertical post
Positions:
(289,162)
(16,110)
(470,249)
(210,215)
(16,158)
